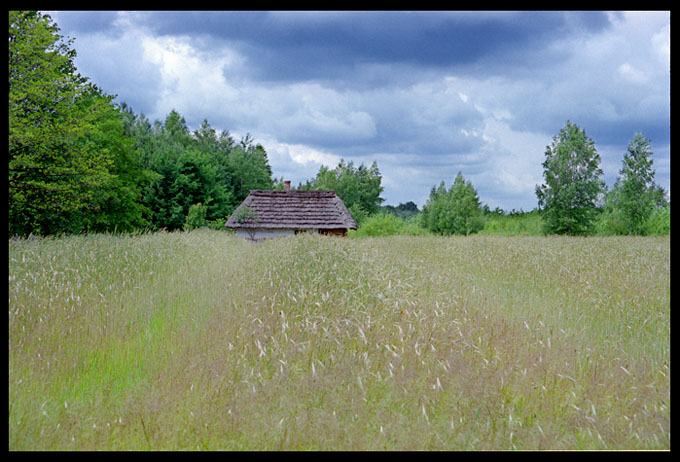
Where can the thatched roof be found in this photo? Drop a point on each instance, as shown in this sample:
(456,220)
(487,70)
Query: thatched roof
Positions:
(294,210)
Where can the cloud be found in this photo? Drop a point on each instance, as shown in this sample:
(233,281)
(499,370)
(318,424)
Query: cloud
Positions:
(308,45)
(426,94)
(119,65)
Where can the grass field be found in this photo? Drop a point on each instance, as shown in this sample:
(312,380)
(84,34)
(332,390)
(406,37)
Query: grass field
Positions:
(203,341)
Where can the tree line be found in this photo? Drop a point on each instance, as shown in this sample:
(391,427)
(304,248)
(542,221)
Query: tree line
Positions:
(78,162)
(574,199)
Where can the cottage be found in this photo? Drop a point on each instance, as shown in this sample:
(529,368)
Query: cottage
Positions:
(265,214)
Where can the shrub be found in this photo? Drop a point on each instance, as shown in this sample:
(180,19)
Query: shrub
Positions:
(453,211)
(659,222)
(523,224)
(387,224)
(358,213)
(196,217)
(217,224)
(612,222)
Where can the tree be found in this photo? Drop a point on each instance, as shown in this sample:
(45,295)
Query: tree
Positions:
(573,182)
(359,188)
(248,216)
(635,197)
(196,217)
(637,193)
(78,162)
(118,203)
(432,211)
(456,211)
(190,169)
(249,169)
(404,211)
(55,168)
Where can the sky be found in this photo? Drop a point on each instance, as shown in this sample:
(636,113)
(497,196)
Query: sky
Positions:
(425,94)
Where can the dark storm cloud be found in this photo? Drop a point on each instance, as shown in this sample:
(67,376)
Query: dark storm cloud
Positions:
(85,22)
(330,45)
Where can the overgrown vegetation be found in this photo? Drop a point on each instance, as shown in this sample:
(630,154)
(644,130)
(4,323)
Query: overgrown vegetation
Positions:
(514,224)
(387,224)
(500,223)
(202,341)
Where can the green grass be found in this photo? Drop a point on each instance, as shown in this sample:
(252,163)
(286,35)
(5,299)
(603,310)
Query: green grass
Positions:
(203,341)
(525,224)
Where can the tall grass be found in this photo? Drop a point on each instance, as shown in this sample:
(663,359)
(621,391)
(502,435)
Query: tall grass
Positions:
(203,341)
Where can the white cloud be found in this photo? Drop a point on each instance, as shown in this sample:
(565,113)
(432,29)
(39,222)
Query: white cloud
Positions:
(513,161)
(191,83)
(295,162)
(632,74)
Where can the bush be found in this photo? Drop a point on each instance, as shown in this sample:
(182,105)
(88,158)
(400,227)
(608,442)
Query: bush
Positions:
(196,217)
(453,211)
(387,224)
(612,222)
(358,213)
(659,221)
(522,224)
(218,224)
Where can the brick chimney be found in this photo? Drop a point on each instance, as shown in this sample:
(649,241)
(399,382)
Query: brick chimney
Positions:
(286,185)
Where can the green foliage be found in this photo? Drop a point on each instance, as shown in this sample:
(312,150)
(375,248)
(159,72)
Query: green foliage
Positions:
(65,161)
(453,211)
(218,224)
(196,217)
(612,222)
(402,210)
(635,204)
(246,215)
(196,167)
(118,202)
(78,163)
(358,213)
(354,185)
(387,224)
(407,210)
(634,197)
(659,221)
(573,183)
(516,224)
(249,169)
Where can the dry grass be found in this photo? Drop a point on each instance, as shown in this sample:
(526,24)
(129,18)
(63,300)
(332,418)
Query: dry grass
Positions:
(202,341)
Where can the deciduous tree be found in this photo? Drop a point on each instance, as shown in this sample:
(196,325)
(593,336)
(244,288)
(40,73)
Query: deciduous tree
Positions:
(573,182)
(55,168)
(358,187)
(635,195)
(456,211)
(72,167)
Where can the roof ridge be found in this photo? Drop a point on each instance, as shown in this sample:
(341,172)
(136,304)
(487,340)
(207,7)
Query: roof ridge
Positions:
(292,191)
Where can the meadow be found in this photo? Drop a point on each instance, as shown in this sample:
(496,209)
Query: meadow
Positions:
(202,341)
